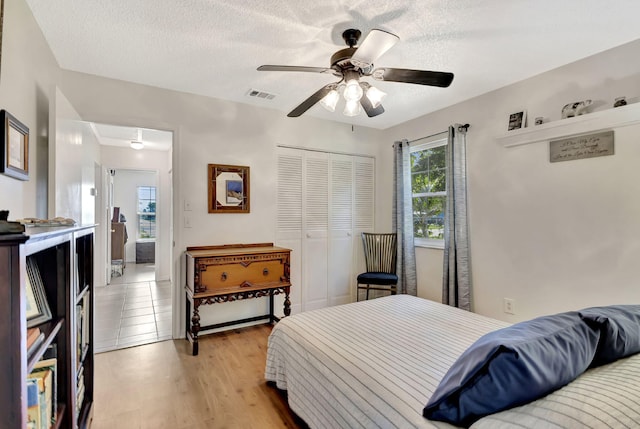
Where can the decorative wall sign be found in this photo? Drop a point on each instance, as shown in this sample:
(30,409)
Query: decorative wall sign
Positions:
(14,159)
(580,147)
(228,189)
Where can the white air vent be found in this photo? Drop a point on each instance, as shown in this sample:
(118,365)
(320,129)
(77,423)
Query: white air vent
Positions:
(260,94)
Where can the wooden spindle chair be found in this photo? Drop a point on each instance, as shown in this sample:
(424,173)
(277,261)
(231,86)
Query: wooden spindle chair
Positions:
(380,250)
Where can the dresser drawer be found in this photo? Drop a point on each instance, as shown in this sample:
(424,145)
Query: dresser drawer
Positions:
(238,275)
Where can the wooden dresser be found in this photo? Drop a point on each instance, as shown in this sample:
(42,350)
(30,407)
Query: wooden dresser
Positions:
(217,274)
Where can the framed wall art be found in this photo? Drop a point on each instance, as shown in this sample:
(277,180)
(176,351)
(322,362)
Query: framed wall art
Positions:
(228,188)
(38,310)
(517,120)
(14,160)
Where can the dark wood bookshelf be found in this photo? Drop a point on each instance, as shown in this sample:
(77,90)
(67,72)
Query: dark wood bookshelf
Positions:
(64,259)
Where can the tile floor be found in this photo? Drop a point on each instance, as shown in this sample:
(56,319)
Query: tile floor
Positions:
(133,310)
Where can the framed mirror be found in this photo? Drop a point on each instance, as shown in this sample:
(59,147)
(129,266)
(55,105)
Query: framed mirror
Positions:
(228,188)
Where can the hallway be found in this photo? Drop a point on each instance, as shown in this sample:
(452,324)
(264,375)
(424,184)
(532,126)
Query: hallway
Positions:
(133,310)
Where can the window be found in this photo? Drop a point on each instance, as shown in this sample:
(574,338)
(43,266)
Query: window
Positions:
(428,187)
(146,212)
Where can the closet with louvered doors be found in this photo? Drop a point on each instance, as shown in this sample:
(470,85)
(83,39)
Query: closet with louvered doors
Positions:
(325,200)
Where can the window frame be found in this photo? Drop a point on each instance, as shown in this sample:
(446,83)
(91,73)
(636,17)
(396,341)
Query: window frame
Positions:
(419,241)
(139,214)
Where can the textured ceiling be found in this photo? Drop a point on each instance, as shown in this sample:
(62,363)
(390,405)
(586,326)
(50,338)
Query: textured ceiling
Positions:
(213,47)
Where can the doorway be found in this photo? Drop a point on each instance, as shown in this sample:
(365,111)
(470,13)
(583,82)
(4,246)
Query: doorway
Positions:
(134,306)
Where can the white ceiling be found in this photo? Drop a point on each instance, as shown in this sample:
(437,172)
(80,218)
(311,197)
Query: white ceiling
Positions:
(113,135)
(213,47)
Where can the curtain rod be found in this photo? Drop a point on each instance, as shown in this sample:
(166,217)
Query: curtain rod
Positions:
(325,151)
(465,126)
(426,137)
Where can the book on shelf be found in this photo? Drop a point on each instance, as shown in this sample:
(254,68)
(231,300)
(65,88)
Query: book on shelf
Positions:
(34,339)
(45,377)
(83,319)
(33,404)
(86,301)
(32,334)
(80,388)
(44,381)
(79,400)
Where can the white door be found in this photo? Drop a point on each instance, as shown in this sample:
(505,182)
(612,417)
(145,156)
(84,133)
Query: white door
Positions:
(364,207)
(289,220)
(315,224)
(340,265)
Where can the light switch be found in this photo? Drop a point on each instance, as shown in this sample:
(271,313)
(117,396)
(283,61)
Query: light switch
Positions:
(187,205)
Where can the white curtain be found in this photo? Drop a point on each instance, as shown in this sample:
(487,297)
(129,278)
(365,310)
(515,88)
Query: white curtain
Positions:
(456,284)
(402,219)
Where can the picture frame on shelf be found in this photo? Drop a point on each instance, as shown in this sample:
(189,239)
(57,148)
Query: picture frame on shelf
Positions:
(229,190)
(38,310)
(517,120)
(14,159)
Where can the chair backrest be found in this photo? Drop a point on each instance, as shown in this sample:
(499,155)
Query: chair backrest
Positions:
(380,252)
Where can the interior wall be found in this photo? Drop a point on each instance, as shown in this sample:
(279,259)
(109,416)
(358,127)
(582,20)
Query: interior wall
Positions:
(27,73)
(553,237)
(74,151)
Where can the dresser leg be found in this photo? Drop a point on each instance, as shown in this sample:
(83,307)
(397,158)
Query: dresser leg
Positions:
(287,303)
(271,317)
(195,326)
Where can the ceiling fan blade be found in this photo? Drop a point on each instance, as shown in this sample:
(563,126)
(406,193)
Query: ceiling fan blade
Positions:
(295,69)
(420,77)
(369,109)
(373,47)
(309,102)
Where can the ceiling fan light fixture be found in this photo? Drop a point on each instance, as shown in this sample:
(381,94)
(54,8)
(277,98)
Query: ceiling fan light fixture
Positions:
(330,100)
(375,96)
(137,145)
(353,92)
(352,108)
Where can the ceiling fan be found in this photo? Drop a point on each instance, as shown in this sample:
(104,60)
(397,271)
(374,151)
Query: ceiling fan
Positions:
(351,64)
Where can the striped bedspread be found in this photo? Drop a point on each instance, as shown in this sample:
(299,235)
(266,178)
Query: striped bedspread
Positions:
(372,364)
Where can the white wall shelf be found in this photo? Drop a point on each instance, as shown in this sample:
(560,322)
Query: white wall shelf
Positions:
(590,122)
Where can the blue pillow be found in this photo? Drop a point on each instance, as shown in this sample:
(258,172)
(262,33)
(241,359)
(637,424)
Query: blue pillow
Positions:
(513,366)
(619,327)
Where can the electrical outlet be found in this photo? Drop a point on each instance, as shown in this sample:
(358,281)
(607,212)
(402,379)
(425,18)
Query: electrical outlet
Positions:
(508,306)
(187,205)
(187,222)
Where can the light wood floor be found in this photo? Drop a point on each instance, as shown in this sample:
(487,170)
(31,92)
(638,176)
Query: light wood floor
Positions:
(161,385)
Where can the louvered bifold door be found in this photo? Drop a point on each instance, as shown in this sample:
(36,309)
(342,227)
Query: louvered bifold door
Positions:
(315,224)
(289,219)
(341,257)
(324,202)
(364,206)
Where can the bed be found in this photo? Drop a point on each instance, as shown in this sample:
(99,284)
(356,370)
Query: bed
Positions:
(375,364)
